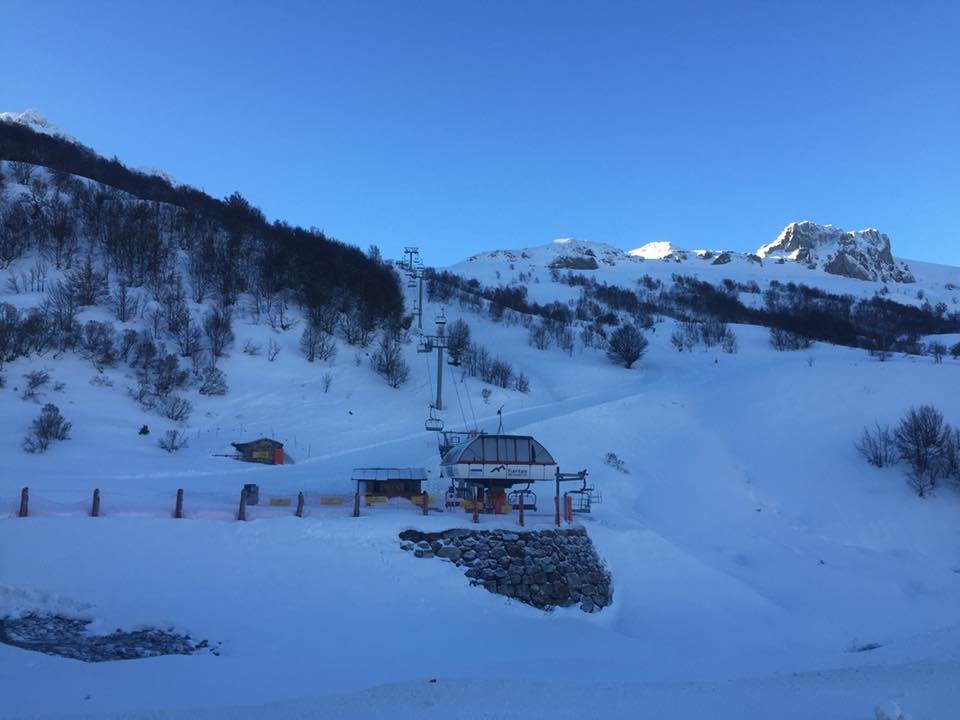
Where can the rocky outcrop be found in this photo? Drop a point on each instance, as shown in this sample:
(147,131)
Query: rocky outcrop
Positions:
(860,254)
(587,261)
(545,568)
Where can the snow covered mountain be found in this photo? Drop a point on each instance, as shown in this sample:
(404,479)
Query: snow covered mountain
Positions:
(36,121)
(860,254)
(561,254)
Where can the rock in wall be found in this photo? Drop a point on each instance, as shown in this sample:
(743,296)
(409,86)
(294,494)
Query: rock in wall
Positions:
(544,568)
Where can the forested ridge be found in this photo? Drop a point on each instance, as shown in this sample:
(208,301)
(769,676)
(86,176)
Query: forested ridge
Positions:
(135,221)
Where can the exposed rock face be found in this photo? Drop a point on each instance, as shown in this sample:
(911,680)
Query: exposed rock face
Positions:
(860,254)
(545,568)
(575,262)
(68,637)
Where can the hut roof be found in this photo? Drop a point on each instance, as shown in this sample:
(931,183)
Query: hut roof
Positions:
(241,446)
(388,473)
(496,449)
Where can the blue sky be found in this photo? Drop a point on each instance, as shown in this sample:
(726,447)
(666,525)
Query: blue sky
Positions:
(461,127)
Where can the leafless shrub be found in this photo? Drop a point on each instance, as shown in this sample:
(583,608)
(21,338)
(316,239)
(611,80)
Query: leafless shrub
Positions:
(172,441)
(388,360)
(922,438)
(316,344)
(273,349)
(49,426)
(212,381)
(787,340)
(36,379)
(175,408)
(877,446)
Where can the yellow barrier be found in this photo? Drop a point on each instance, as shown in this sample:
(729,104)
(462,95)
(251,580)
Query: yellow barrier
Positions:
(418,499)
(279,501)
(331,501)
(372,499)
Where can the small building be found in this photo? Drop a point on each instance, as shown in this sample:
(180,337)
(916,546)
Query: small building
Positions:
(264,450)
(389,482)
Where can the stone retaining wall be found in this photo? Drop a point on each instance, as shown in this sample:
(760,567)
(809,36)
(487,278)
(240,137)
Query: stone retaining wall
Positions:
(543,568)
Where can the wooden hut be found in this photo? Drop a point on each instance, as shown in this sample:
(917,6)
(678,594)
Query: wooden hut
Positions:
(264,450)
(389,482)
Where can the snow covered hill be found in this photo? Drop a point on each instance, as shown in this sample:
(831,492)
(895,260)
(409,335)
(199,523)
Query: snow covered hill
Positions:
(532,266)
(760,567)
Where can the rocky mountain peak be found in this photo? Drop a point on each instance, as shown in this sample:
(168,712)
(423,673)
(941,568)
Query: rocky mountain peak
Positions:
(860,254)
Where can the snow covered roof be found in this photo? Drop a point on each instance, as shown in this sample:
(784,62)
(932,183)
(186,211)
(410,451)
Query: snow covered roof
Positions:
(509,449)
(388,473)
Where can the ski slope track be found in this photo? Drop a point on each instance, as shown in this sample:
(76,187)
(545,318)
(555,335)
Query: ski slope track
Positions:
(761,568)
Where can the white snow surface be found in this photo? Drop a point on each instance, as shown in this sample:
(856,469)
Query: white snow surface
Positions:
(653,250)
(760,567)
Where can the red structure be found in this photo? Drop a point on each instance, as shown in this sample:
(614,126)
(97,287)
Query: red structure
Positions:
(264,450)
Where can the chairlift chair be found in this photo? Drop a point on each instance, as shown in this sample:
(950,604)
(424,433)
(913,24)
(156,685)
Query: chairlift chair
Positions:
(433,423)
(586,497)
(529,499)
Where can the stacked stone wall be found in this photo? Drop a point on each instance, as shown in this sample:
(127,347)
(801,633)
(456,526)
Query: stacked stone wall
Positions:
(544,568)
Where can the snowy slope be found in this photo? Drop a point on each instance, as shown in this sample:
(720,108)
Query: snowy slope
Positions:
(937,283)
(754,554)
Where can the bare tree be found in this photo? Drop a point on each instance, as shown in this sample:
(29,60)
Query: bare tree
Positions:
(937,350)
(356,330)
(878,446)
(172,441)
(316,344)
(124,301)
(188,337)
(920,438)
(273,349)
(539,336)
(458,338)
(626,345)
(279,316)
(22,171)
(219,329)
(388,360)
(212,381)
(45,429)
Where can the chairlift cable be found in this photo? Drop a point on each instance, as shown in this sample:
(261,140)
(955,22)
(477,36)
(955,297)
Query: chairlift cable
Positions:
(466,391)
(453,380)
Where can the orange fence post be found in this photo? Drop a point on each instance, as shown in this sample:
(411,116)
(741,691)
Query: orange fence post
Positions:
(476,508)
(568,508)
(556,510)
(424,501)
(24,502)
(95,510)
(521,508)
(178,509)
(356,502)
(300,504)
